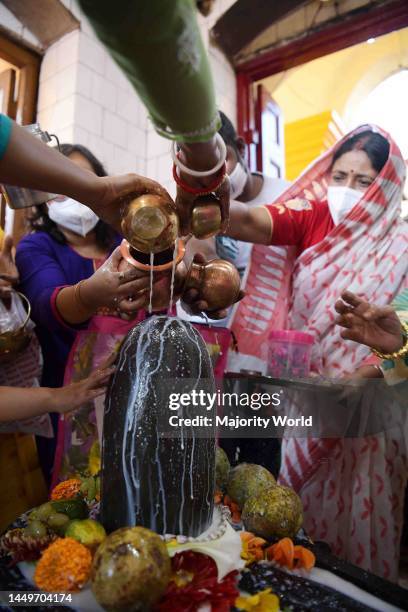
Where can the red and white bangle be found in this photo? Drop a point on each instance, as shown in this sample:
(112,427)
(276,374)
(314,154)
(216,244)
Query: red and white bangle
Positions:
(200,190)
(222,149)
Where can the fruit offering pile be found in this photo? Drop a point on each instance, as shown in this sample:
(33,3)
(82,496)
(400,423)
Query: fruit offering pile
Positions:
(131,568)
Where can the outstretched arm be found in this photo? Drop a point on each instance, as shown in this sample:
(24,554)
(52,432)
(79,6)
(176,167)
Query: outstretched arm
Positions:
(28,162)
(250,224)
(19,403)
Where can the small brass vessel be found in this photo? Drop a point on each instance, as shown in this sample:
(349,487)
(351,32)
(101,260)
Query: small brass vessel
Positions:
(206,217)
(12,342)
(151,224)
(218,283)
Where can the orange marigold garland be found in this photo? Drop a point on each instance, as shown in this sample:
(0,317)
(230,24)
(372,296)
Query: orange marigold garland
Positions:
(67,489)
(64,566)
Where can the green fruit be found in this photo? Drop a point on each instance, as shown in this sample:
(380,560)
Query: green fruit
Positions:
(89,532)
(274,514)
(247,480)
(44,511)
(222,468)
(58,520)
(131,570)
(89,488)
(73,508)
(35,529)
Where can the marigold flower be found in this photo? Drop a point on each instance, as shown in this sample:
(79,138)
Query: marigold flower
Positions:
(67,489)
(64,566)
(264,601)
(252,547)
(288,555)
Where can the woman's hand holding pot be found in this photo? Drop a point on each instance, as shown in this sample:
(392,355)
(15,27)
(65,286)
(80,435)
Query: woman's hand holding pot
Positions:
(111,286)
(110,196)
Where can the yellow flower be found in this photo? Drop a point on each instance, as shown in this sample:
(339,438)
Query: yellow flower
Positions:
(264,601)
(94,459)
(252,547)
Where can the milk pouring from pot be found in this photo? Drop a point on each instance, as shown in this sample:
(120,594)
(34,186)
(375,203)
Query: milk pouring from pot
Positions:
(151,244)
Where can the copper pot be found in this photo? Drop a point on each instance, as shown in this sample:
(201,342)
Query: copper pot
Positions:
(217,282)
(162,273)
(159,261)
(151,224)
(12,342)
(206,217)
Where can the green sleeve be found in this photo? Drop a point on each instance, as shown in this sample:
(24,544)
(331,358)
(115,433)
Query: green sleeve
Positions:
(5,131)
(157,44)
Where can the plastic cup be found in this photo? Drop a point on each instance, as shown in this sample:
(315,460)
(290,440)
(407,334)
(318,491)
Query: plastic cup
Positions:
(289,354)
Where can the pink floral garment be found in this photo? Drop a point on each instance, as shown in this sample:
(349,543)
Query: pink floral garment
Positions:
(366,253)
(79,433)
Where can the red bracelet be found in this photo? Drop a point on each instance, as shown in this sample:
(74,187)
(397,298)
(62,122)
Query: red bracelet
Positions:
(200,190)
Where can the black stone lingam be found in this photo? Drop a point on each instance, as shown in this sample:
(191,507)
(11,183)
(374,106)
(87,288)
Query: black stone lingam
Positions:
(156,475)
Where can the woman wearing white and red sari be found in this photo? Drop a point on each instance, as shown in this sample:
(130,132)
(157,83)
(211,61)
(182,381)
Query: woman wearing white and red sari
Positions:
(342,219)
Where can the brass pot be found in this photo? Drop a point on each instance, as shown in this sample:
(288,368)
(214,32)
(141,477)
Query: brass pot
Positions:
(218,283)
(12,342)
(206,217)
(151,224)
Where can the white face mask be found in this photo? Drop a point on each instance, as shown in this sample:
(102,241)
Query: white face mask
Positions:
(72,215)
(341,201)
(238,179)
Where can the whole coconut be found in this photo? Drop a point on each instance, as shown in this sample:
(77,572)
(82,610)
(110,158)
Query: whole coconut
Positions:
(274,514)
(222,468)
(247,480)
(131,570)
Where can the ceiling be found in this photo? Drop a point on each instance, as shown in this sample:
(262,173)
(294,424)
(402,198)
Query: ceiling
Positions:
(250,28)
(245,19)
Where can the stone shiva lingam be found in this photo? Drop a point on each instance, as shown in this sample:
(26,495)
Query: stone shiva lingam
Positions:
(151,244)
(162,482)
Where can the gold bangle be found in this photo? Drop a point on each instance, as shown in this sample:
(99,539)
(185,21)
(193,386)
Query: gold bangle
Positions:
(78,298)
(403,350)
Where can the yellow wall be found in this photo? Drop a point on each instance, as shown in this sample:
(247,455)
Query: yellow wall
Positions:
(307,138)
(318,98)
(338,81)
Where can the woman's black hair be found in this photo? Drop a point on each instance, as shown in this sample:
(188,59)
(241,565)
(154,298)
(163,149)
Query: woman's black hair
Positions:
(40,221)
(376,147)
(228,132)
